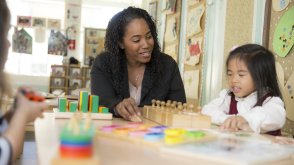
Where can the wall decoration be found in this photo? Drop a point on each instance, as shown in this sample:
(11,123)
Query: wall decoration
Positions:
(193,20)
(170,34)
(94,43)
(57,43)
(23,21)
(75,83)
(75,71)
(191,83)
(276,20)
(21,42)
(284,34)
(193,2)
(193,50)
(72,22)
(172,50)
(279,5)
(39,22)
(54,24)
(58,70)
(152,8)
(57,82)
(40,34)
(170,6)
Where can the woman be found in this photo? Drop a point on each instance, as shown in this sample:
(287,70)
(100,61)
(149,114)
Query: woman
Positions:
(13,123)
(132,71)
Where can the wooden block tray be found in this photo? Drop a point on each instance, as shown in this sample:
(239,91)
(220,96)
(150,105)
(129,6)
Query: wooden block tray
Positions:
(95,116)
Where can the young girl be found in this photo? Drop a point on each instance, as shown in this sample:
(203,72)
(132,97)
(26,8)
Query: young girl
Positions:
(13,123)
(253,100)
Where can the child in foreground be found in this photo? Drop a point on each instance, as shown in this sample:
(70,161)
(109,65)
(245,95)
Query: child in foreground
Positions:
(13,123)
(253,101)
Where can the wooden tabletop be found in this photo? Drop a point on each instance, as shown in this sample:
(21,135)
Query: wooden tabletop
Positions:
(112,151)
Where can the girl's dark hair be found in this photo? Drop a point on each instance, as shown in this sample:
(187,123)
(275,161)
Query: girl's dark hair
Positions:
(261,65)
(4,21)
(114,35)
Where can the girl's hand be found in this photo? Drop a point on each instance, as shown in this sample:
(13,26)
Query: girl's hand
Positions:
(235,123)
(29,109)
(128,108)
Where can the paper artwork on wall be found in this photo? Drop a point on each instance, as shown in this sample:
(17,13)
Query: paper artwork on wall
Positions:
(193,2)
(57,43)
(94,43)
(193,20)
(172,50)
(171,30)
(279,5)
(287,90)
(193,50)
(21,41)
(24,21)
(40,33)
(39,22)
(191,83)
(152,9)
(288,95)
(72,13)
(54,24)
(283,39)
(170,6)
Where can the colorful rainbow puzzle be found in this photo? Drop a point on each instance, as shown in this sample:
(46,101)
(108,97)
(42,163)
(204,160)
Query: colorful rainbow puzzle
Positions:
(155,136)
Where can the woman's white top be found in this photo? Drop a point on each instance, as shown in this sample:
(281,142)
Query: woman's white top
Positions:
(135,92)
(268,117)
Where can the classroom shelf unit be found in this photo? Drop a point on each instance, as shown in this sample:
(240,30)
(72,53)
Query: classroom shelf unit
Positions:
(67,78)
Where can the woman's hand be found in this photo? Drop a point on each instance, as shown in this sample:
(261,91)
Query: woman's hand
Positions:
(128,108)
(235,123)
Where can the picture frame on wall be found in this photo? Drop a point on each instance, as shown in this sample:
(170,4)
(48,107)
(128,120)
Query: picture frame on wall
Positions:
(39,22)
(75,72)
(57,82)
(94,43)
(58,70)
(75,83)
(24,21)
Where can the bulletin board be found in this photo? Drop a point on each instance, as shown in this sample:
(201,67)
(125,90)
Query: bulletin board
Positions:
(281,30)
(193,56)
(172,10)
(238,28)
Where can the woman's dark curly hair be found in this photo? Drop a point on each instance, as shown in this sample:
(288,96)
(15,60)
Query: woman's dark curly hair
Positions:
(114,35)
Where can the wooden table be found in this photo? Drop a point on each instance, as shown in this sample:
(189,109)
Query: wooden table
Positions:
(110,151)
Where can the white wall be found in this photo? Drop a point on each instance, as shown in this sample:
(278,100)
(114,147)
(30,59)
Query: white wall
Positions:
(34,69)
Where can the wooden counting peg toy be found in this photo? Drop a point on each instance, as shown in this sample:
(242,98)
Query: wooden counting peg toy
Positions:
(176,114)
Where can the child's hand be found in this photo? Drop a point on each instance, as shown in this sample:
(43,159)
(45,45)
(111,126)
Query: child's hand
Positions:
(29,109)
(235,123)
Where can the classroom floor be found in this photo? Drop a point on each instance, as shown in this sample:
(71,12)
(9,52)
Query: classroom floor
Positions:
(29,155)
